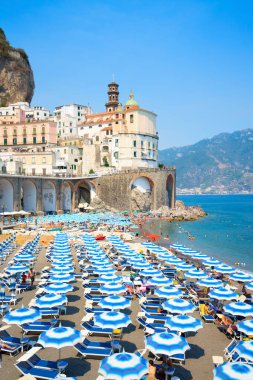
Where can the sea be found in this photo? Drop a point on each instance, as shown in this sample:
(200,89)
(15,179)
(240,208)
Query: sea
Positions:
(226,233)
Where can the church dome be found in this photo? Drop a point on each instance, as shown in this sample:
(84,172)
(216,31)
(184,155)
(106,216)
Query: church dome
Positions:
(131,102)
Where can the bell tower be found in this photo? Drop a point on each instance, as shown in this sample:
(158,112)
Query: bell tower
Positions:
(113,97)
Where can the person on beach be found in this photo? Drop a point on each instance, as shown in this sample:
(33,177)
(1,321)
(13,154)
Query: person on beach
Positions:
(23,278)
(151,370)
(31,275)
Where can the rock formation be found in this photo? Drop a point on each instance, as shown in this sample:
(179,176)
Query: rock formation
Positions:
(16,76)
(140,201)
(181,212)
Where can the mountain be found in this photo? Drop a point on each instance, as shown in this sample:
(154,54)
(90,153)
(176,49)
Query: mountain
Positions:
(222,164)
(16,76)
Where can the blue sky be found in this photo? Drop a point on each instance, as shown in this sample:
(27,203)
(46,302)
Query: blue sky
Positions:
(189,61)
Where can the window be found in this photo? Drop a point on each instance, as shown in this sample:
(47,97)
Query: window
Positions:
(142,143)
(65,151)
(15,141)
(116,142)
(43,160)
(71,151)
(116,155)
(134,142)
(5,141)
(5,132)
(24,140)
(34,131)
(23,160)
(24,132)
(131,118)
(15,132)
(43,130)
(43,139)
(34,140)
(33,160)
(135,154)
(97,138)
(149,145)
(70,130)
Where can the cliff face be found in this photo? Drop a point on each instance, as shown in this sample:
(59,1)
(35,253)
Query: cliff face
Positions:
(16,76)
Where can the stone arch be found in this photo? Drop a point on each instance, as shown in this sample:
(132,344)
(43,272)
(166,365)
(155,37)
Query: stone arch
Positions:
(66,196)
(28,196)
(85,190)
(170,196)
(142,193)
(6,195)
(49,196)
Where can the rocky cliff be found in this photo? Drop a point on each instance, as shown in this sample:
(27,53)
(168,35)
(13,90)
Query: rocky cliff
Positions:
(16,76)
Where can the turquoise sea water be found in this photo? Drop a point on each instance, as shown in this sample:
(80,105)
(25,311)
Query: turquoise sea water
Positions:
(226,233)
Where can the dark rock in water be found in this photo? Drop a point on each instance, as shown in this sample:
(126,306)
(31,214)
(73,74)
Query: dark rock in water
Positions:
(16,76)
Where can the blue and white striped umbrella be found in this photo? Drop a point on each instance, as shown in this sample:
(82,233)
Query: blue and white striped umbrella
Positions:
(200,256)
(50,300)
(239,309)
(183,266)
(245,350)
(64,277)
(58,288)
(183,323)
(24,257)
(17,268)
(112,320)
(113,288)
(173,260)
(224,268)
(115,302)
(21,316)
(160,281)
(195,273)
(241,276)
(59,337)
(210,282)
(104,270)
(211,262)
(223,294)
(141,265)
(166,343)
(233,371)
(123,366)
(168,292)
(106,278)
(58,270)
(178,306)
(246,327)
(249,286)
(149,272)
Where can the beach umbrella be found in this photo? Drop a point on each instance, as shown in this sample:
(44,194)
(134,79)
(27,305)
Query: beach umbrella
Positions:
(24,257)
(113,288)
(241,276)
(178,306)
(168,292)
(114,302)
(233,371)
(141,265)
(50,300)
(183,323)
(18,268)
(166,343)
(200,256)
(160,281)
(196,274)
(104,270)
(210,282)
(223,294)
(112,320)
(245,327)
(106,278)
(56,270)
(64,277)
(149,272)
(239,309)
(22,316)
(123,366)
(223,268)
(172,260)
(249,286)
(183,266)
(59,337)
(245,350)
(211,262)
(58,288)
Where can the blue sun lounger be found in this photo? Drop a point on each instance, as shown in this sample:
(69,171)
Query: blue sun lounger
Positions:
(26,369)
(93,330)
(36,362)
(38,327)
(15,349)
(7,338)
(157,327)
(94,349)
(95,310)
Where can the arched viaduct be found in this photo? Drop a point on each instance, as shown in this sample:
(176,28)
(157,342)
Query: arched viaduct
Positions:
(51,194)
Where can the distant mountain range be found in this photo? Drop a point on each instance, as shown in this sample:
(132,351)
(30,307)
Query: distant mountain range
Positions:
(222,164)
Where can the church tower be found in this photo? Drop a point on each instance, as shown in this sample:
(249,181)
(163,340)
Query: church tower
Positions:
(113,97)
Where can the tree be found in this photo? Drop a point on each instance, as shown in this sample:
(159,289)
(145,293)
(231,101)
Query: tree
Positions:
(160,165)
(91,171)
(106,163)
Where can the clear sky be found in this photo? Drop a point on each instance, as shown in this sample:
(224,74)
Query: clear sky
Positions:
(189,61)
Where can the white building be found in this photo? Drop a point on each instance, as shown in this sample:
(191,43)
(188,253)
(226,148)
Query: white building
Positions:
(68,160)
(68,117)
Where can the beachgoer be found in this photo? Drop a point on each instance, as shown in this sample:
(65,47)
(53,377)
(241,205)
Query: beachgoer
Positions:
(151,370)
(23,278)
(31,275)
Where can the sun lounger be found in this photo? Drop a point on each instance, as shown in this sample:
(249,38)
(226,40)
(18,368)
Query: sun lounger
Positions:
(94,349)
(228,351)
(25,368)
(95,310)
(156,327)
(13,350)
(7,338)
(36,362)
(93,330)
(156,317)
(49,312)
(38,327)
(148,310)
(207,318)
